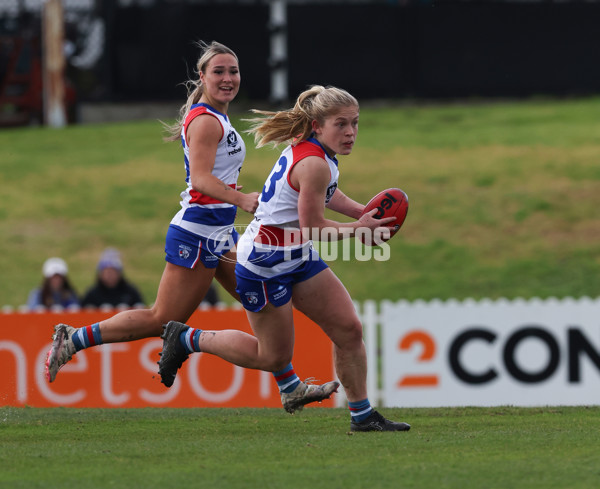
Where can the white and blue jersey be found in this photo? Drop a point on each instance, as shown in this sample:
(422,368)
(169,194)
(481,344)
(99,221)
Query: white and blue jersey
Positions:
(200,214)
(272,245)
(202,230)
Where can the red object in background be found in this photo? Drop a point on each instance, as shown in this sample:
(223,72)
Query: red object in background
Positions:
(21,85)
(125,374)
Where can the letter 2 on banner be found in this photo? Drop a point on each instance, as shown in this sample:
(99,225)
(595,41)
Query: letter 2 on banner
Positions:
(491,353)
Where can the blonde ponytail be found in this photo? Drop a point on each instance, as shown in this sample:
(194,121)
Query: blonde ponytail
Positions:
(295,124)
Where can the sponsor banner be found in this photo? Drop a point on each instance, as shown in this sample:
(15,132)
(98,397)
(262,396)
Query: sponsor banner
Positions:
(489,353)
(125,374)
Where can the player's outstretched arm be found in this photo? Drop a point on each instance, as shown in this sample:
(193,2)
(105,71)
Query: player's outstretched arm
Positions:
(343,204)
(311,177)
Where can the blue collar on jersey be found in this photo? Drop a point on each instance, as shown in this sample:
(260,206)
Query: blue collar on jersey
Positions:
(202,104)
(314,140)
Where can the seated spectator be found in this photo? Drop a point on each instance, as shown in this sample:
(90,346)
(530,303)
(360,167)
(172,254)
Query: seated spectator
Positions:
(111,287)
(56,290)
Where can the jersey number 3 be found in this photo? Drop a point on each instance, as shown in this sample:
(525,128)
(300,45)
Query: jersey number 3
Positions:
(276,174)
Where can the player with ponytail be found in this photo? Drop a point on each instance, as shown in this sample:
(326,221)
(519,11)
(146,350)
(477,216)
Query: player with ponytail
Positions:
(279,269)
(200,241)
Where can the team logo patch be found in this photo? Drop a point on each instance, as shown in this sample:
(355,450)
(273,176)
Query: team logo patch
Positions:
(232,139)
(330,192)
(184,252)
(232,142)
(252,297)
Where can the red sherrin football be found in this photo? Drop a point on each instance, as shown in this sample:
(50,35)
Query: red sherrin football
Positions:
(390,202)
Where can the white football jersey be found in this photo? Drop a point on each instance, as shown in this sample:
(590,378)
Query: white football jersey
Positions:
(272,243)
(202,214)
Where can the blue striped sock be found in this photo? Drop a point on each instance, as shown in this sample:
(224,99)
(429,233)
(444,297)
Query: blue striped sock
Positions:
(87,336)
(287,380)
(190,339)
(360,410)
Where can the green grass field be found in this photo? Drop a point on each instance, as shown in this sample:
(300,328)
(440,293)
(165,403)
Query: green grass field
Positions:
(504,199)
(504,203)
(466,448)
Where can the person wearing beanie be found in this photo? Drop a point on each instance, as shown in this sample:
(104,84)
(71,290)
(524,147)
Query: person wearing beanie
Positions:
(55,289)
(111,287)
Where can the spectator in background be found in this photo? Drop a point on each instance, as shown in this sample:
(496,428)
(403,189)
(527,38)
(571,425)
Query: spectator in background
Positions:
(111,287)
(56,289)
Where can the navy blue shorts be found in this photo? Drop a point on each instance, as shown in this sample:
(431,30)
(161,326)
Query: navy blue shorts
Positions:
(256,291)
(186,249)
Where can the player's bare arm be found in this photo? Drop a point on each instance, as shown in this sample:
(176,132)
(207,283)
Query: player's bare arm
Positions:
(203,135)
(311,177)
(343,204)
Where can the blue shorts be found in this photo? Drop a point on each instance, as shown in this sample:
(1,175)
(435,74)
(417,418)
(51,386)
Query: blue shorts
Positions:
(256,291)
(186,249)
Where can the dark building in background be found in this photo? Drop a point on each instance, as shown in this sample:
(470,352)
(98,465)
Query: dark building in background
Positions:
(142,50)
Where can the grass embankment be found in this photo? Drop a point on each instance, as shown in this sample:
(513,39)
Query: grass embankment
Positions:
(504,200)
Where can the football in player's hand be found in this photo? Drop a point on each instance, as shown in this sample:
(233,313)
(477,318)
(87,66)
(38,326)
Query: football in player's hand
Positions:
(392,202)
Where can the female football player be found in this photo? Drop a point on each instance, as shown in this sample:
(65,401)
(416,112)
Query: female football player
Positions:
(277,266)
(201,235)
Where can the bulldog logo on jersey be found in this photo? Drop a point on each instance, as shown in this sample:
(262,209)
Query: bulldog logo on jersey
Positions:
(252,298)
(330,192)
(184,252)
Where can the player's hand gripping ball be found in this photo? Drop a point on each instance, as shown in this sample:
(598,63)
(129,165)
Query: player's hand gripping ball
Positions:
(392,202)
